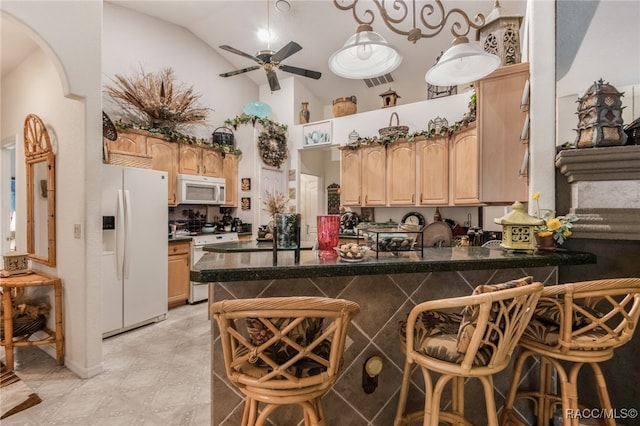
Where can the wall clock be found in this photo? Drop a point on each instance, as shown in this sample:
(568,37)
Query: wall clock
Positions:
(413,218)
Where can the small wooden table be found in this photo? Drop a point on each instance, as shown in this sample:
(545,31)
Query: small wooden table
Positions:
(13,287)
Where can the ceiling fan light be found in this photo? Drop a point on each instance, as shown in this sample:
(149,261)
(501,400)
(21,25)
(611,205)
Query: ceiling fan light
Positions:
(462,63)
(365,54)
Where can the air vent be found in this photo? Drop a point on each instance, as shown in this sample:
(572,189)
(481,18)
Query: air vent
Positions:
(377,81)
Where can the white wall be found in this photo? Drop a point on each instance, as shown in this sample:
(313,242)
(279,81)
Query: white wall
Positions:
(61,84)
(132,41)
(609,52)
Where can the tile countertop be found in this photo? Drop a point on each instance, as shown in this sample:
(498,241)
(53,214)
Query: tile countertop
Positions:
(258,265)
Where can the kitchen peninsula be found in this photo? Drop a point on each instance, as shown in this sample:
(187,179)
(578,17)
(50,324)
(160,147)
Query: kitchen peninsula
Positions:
(386,289)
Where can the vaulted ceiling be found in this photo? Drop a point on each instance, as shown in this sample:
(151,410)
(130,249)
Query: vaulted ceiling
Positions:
(321,29)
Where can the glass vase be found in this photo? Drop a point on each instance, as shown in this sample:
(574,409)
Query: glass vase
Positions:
(328,235)
(286,230)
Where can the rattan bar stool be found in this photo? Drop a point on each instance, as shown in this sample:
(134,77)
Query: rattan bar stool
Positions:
(579,323)
(473,344)
(283,350)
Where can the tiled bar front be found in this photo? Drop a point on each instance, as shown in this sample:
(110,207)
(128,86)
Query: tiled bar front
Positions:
(384,299)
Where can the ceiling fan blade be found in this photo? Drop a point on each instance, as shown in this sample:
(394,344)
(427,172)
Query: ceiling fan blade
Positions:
(239,52)
(236,72)
(286,51)
(273,80)
(301,71)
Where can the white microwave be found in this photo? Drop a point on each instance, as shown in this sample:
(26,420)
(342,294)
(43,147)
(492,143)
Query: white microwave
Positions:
(193,189)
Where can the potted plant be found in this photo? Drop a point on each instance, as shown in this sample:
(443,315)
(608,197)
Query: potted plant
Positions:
(555,230)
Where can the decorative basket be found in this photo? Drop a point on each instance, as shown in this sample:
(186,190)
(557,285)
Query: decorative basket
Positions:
(394,130)
(345,106)
(25,325)
(128,159)
(223,136)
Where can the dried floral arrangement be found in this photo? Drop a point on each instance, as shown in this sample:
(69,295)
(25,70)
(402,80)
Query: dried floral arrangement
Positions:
(276,202)
(157,100)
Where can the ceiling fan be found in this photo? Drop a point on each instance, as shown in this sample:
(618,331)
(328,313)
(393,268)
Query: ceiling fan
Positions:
(271,61)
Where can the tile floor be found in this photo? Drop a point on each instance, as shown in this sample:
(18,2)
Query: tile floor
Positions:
(148,378)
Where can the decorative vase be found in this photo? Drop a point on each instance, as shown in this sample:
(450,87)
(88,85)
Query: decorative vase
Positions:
(328,235)
(546,243)
(304,113)
(286,229)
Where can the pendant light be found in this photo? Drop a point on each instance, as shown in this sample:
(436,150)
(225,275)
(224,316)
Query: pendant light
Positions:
(365,54)
(462,63)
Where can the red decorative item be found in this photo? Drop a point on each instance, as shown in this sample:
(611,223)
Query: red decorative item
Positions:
(328,235)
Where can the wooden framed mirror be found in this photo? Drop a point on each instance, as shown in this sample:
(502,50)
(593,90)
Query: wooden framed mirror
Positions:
(41,192)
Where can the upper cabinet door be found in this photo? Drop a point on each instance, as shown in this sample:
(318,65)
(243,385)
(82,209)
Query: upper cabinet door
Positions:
(401,173)
(128,142)
(190,158)
(465,163)
(501,125)
(433,170)
(164,156)
(374,166)
(351,177)
(230,173)
(211,163)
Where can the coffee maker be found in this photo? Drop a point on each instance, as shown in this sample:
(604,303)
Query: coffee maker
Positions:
(226,221)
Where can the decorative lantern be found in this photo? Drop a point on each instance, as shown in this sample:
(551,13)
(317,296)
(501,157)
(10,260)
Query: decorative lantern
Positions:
(518,229)
(15,263)
(600,120)
(500,35)
(389,98)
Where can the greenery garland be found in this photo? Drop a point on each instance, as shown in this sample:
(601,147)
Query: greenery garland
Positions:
(467,119)
(175,136)
(272,141)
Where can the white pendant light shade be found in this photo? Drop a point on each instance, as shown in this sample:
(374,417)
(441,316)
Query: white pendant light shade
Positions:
(464,62)
(365,54)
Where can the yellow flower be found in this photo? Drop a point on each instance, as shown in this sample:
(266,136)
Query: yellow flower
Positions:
(544,233)
(535,196)
(567,233)
(554,224)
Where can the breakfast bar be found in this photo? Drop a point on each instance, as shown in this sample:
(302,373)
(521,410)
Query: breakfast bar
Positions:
(386,289)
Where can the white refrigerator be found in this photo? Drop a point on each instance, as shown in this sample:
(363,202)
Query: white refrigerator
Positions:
(135,248)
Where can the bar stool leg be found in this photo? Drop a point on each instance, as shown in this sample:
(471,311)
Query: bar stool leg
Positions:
(8,327)
(603,393)
(457,397)
(489,400)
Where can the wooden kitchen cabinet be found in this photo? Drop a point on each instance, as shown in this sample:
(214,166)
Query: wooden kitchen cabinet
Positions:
(363,180)
(212,164)
(401,173)
(465,151)
(230,174)
(432,164)
(128,142)
(501,121)
(197,160)
(164,156)
(190,159)
(351,177)
(179,267)
(374,166)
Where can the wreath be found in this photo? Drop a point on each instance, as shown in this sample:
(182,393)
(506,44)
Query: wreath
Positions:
(272,145)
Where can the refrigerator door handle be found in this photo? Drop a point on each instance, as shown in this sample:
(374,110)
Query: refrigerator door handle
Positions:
(119,234)
(127,244)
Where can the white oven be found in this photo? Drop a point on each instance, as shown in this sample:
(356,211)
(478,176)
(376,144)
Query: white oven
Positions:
(199,292)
